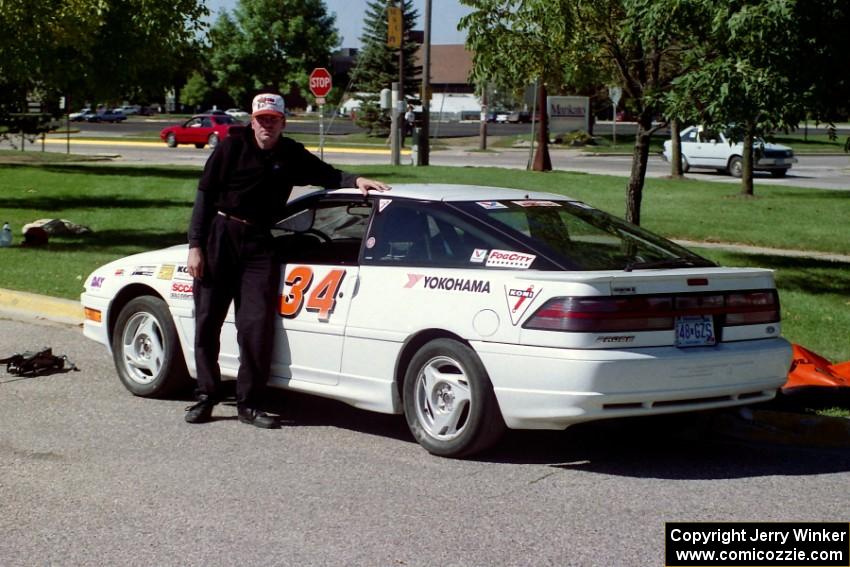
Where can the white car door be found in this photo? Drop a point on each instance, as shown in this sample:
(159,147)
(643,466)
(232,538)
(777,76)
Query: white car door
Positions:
(319,277)
(712,149)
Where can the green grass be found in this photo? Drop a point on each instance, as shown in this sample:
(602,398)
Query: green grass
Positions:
(136,209)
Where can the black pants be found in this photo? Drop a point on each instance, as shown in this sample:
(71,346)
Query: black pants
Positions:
(239,266)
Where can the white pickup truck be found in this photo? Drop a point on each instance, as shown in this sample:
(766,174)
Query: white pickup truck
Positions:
(702,148)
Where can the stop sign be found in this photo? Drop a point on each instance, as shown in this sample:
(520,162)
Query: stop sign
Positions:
(320,82)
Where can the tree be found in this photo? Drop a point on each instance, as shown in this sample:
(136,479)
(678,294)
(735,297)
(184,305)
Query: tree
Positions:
(638,42)
(741,75)
(195,91)
(271,44)
(378,65)
(517,42)
(103,49)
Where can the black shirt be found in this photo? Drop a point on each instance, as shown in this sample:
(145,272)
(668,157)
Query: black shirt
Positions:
(253,184)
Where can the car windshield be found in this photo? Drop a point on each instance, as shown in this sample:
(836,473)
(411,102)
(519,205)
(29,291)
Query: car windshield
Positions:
(581,237)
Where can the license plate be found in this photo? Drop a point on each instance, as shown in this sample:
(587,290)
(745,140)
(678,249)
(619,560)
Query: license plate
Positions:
(695,330)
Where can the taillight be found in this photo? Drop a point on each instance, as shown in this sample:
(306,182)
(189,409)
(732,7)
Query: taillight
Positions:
(604,314)
(751,308)
(652,312)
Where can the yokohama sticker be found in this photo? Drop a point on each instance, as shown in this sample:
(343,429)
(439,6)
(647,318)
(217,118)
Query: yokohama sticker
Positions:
(509,259)
(447,284)
(519,300)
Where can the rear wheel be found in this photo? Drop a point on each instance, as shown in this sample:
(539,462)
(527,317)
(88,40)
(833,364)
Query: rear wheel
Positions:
(171,140)
(736,167)
(146,349)
(449,402)
(213,140)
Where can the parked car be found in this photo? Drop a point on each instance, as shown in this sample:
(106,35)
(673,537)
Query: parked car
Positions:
(78,116)
(108,115)
(703,148)
(469,310)
(238,114)
(130,109)
(200,130)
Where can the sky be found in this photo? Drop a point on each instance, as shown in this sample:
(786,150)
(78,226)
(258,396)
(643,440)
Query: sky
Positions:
(445,15)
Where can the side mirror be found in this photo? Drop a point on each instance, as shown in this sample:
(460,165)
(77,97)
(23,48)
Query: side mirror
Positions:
(301,221)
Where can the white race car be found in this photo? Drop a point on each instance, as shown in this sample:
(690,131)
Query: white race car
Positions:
(469,310)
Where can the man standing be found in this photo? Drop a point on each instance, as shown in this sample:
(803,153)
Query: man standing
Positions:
(242,193)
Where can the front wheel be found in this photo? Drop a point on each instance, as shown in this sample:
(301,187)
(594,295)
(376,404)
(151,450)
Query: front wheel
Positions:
(146,349)
(449,402)
(736,167)
(213,140)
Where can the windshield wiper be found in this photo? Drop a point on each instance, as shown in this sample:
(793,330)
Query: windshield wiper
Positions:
(666,263)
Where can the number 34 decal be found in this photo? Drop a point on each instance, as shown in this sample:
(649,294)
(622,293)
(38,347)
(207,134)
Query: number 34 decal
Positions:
(321,299)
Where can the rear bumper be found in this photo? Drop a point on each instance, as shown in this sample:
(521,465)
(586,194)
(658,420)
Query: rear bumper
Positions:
(550,388)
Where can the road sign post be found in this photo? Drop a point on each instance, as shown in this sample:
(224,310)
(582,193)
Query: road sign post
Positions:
(320,85)
(614,93)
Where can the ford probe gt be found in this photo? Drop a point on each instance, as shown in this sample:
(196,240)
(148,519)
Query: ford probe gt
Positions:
(469,310)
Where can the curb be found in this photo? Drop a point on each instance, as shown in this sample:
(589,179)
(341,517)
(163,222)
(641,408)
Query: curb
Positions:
(28,306)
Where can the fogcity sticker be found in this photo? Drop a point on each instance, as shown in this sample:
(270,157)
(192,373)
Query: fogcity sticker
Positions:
(536,203)
(509,259)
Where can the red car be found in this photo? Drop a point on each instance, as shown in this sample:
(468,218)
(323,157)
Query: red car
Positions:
(200,130)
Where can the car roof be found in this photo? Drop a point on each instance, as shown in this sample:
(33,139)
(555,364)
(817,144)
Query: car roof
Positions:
(455,192)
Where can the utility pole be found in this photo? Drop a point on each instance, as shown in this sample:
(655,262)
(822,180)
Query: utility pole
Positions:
(482,131)
(402,105)
(425,137)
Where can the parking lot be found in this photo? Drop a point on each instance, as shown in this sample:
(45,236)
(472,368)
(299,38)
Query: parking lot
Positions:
(90,475)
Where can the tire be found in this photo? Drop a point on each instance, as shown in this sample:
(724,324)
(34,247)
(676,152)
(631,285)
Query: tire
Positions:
(146,349)
(213,140)
(449,403)
(686,167)
(736,167)
(778,172)
(171,140)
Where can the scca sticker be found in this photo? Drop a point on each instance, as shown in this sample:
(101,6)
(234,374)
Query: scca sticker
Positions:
(322,298)
(509,259)
(181,290)
(519,300)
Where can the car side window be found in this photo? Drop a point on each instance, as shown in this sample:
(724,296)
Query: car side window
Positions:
(690,137)
(333,236)
(417,234)
(206,122)
(193,123)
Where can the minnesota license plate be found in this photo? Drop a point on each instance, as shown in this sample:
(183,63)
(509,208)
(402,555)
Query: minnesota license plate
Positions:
(695,330)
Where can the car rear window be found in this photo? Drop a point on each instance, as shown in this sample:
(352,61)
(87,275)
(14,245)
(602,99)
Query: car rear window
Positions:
(581,237)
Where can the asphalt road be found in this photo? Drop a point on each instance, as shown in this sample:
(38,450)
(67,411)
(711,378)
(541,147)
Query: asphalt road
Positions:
(90,475)
(813,171)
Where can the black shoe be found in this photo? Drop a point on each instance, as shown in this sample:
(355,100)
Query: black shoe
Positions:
(201,412)
(258,418)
